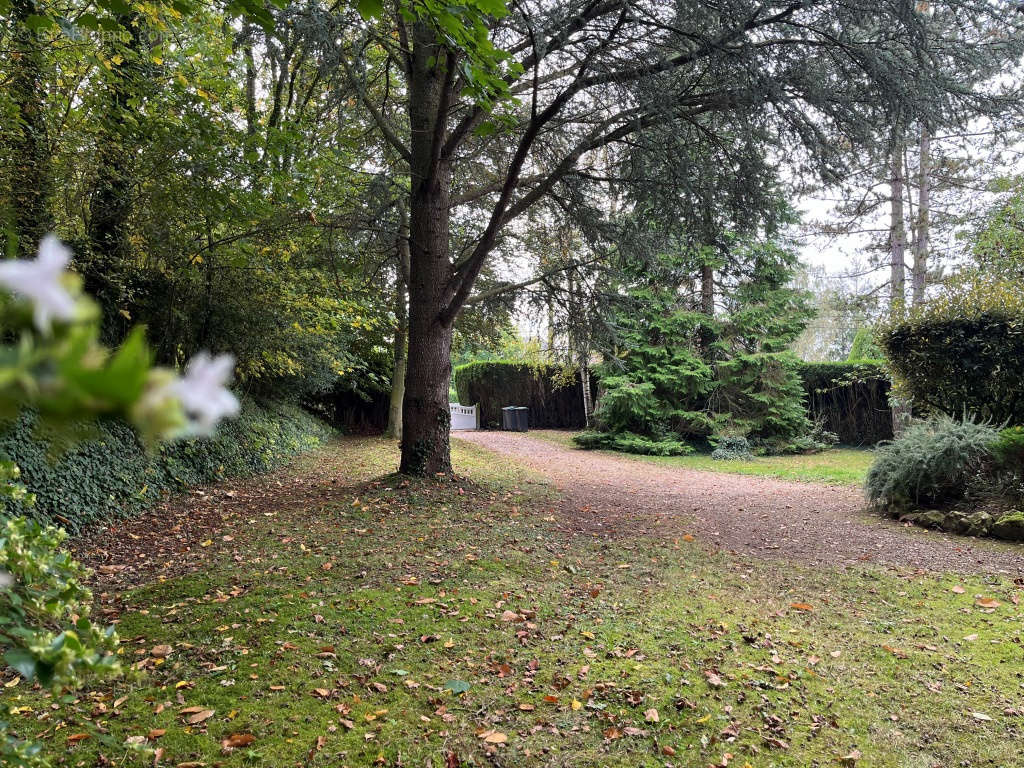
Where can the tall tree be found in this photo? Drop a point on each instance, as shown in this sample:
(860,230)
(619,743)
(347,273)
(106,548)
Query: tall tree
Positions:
(26,159)
(496,134)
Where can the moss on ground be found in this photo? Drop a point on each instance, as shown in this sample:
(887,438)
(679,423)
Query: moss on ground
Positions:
(341,635)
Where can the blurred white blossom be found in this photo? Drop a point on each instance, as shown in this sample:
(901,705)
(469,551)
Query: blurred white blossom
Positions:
(5,579)
(41,282)
(203,391)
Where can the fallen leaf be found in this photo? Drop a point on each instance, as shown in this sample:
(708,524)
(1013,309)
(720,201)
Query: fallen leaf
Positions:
(988,602)
(714,680)
(801,606)
(160,651)
(200,717)
(494,737)
(236,740)
(651,716)
(958,589)
(981,716)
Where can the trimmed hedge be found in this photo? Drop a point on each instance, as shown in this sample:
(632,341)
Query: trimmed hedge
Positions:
(963,353)
(554,398)
(850,398)
(111,475)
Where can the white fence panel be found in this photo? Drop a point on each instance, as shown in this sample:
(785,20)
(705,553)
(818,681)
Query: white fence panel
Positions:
(464,416)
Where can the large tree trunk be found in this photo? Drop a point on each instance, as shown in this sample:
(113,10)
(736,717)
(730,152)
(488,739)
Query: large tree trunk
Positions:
(426,417)
(919,270)
(27,178)
(106,272)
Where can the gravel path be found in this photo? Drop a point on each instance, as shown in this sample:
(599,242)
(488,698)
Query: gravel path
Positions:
(608,495)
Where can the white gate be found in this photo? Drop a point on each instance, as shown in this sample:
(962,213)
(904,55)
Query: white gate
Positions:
(464,416)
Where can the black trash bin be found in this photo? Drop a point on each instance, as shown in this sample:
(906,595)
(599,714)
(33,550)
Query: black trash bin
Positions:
(515,418)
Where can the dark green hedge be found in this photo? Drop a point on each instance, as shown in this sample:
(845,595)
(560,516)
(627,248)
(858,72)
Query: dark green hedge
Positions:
(851,398)
(971,364)
(112,475)
(554,399)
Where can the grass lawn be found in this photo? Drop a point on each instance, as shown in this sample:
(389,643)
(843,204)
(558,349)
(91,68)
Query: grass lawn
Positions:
(456,624)
(844,466)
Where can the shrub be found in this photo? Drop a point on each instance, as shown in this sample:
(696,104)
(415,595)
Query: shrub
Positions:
(630,442)
(1008,449)
(850,399)
(112,474)
(932,462)
(864,346)
(732,448)
(963,352)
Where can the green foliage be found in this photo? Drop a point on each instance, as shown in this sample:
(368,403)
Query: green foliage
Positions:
(732,448)
(630,442)
(44,612)
(679,374)
(1008,450)
(551,392)
(864,346)
(932,462)
(963,351)
(999,241)
(850,399)
(43,594)
(112,474)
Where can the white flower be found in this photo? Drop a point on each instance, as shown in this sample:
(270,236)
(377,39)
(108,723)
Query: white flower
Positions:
(40,282)
(202,391)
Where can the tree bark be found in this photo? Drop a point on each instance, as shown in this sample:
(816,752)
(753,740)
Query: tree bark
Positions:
(28,179)
(707,290)
(588,403)
(394,428)
(426,417)
(901,410)
(897,231)
(919,271)
(105,273)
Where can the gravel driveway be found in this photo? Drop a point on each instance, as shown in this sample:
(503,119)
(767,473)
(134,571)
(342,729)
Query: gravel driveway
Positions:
(608,495)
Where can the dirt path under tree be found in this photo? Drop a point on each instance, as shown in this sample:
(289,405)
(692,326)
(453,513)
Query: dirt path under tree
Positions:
(607,495)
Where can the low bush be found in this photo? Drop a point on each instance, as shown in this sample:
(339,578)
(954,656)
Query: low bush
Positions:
(732,448)
(630,442)
(111,474)
(933,462)
(1008,449)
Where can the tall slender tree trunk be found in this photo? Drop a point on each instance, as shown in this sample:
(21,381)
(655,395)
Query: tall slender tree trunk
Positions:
(394,428)
(426,417)
(897,231)
(901,410)
(588,400)
(27,177)
(919,270)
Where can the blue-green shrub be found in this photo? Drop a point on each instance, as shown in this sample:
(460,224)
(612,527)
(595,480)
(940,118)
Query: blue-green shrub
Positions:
(111,474)
(932,462)
(732,448)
